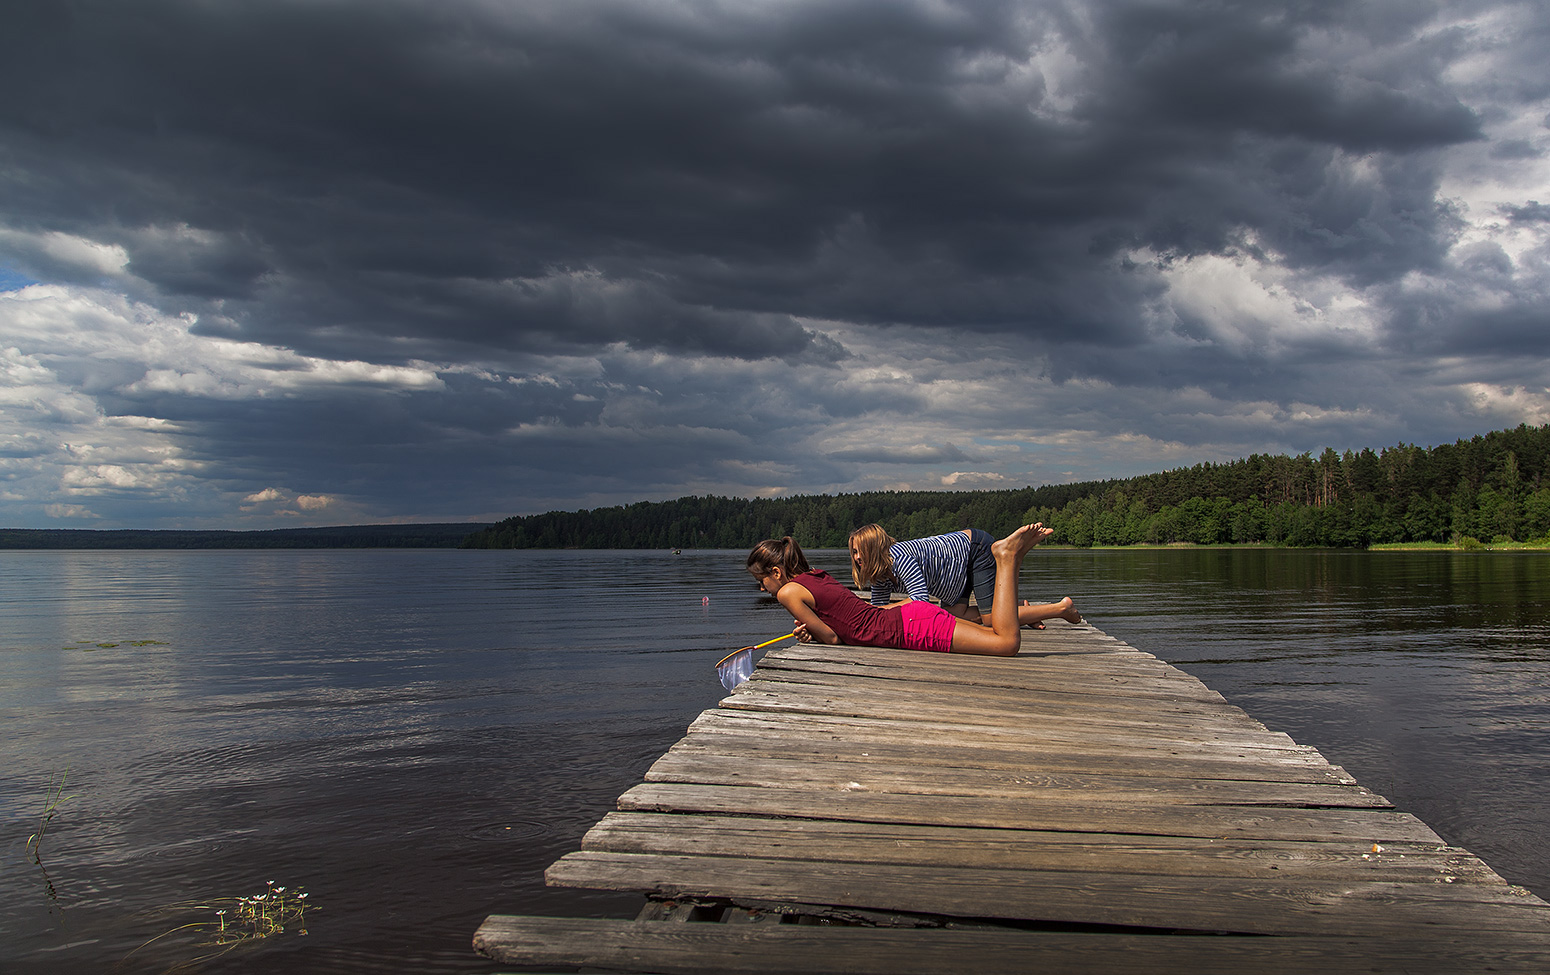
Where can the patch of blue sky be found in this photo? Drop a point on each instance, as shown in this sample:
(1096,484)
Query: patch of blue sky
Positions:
(13,280)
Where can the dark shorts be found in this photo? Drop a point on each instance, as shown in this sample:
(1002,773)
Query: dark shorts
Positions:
(982,572)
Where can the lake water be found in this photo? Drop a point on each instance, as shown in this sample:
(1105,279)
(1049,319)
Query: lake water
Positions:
(412,736)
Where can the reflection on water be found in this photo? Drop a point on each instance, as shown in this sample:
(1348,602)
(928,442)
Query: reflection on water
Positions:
(1425,674)
(413,736)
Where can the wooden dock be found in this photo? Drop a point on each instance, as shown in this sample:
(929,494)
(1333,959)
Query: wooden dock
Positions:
(1082,807)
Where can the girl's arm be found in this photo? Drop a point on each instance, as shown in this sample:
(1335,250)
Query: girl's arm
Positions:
(882,597)
(800,604)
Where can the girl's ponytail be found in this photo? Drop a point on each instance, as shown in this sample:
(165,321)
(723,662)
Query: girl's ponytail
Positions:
(785,554)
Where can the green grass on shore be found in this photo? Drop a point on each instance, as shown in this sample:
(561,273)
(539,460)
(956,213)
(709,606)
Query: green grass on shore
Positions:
(1465,545)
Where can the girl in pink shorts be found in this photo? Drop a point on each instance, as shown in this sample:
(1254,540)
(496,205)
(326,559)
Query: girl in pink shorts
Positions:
(927,626)
(827,611)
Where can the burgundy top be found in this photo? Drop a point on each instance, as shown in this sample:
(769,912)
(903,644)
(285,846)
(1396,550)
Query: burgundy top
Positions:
(853,619)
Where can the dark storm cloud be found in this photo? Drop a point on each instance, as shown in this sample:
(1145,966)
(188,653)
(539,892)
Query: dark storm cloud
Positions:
(562,175)
(1247,68)
(627,249)
(1531,212)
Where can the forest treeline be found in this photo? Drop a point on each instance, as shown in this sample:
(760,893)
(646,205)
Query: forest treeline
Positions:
(1490,488)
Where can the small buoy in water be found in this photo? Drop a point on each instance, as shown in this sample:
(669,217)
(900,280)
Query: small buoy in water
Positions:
(704,600)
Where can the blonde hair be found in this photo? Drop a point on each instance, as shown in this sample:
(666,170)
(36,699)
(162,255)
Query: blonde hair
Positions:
(870,561)
(784,553)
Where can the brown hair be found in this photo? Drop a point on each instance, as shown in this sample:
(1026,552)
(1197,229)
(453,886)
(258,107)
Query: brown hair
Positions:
(870,561)
(785,553)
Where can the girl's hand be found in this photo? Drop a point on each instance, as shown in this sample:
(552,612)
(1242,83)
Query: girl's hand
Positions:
(800,629)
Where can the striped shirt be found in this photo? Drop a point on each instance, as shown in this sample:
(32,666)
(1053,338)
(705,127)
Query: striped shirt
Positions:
(924,567)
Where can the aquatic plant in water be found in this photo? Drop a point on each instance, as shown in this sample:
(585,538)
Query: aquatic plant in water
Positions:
(231,921)
(261,915)
(90,645)
(52,800)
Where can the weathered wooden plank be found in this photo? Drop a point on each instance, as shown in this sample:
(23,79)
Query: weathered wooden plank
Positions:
(1133,900)
(926,722)
(971,848)
(910,778)
(1114,657)
(1016,674)
(1037,654)
(1086,687)
(773,949)
(1076,736)
(1106,692)
(967,670)
(858,702)
(1026,757)
(1156,678)
(1141,819)
(1014,683)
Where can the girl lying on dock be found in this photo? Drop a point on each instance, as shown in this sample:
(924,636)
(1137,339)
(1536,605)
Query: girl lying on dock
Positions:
(827,611)
(945,567)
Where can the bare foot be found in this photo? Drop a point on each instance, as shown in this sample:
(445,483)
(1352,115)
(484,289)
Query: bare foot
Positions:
(1014,546)
(1068,611)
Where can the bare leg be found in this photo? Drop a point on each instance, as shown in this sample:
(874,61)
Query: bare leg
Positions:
(1009,553)
(1027,614)
(1003,636)
(1065,609)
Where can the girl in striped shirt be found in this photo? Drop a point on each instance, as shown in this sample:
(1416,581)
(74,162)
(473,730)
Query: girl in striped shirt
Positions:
(945,567)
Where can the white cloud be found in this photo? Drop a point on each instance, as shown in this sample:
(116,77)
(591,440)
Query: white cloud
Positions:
(977,480)
(1247,306)
(55,248)
(1504,405)
(153,352)
(68,511)
(70,357)
(99,477)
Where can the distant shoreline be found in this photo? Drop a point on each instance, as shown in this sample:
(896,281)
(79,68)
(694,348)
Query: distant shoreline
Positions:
(453,534)
(439,535)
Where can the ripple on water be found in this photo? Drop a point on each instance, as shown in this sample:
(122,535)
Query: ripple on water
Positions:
(506,831)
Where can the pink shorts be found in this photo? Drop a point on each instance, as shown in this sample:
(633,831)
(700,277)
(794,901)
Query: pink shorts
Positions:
(927,626)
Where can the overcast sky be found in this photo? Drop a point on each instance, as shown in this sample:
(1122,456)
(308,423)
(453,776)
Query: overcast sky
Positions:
(320,262)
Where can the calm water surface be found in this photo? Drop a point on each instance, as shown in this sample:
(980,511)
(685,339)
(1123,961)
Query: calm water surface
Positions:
(412,736)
